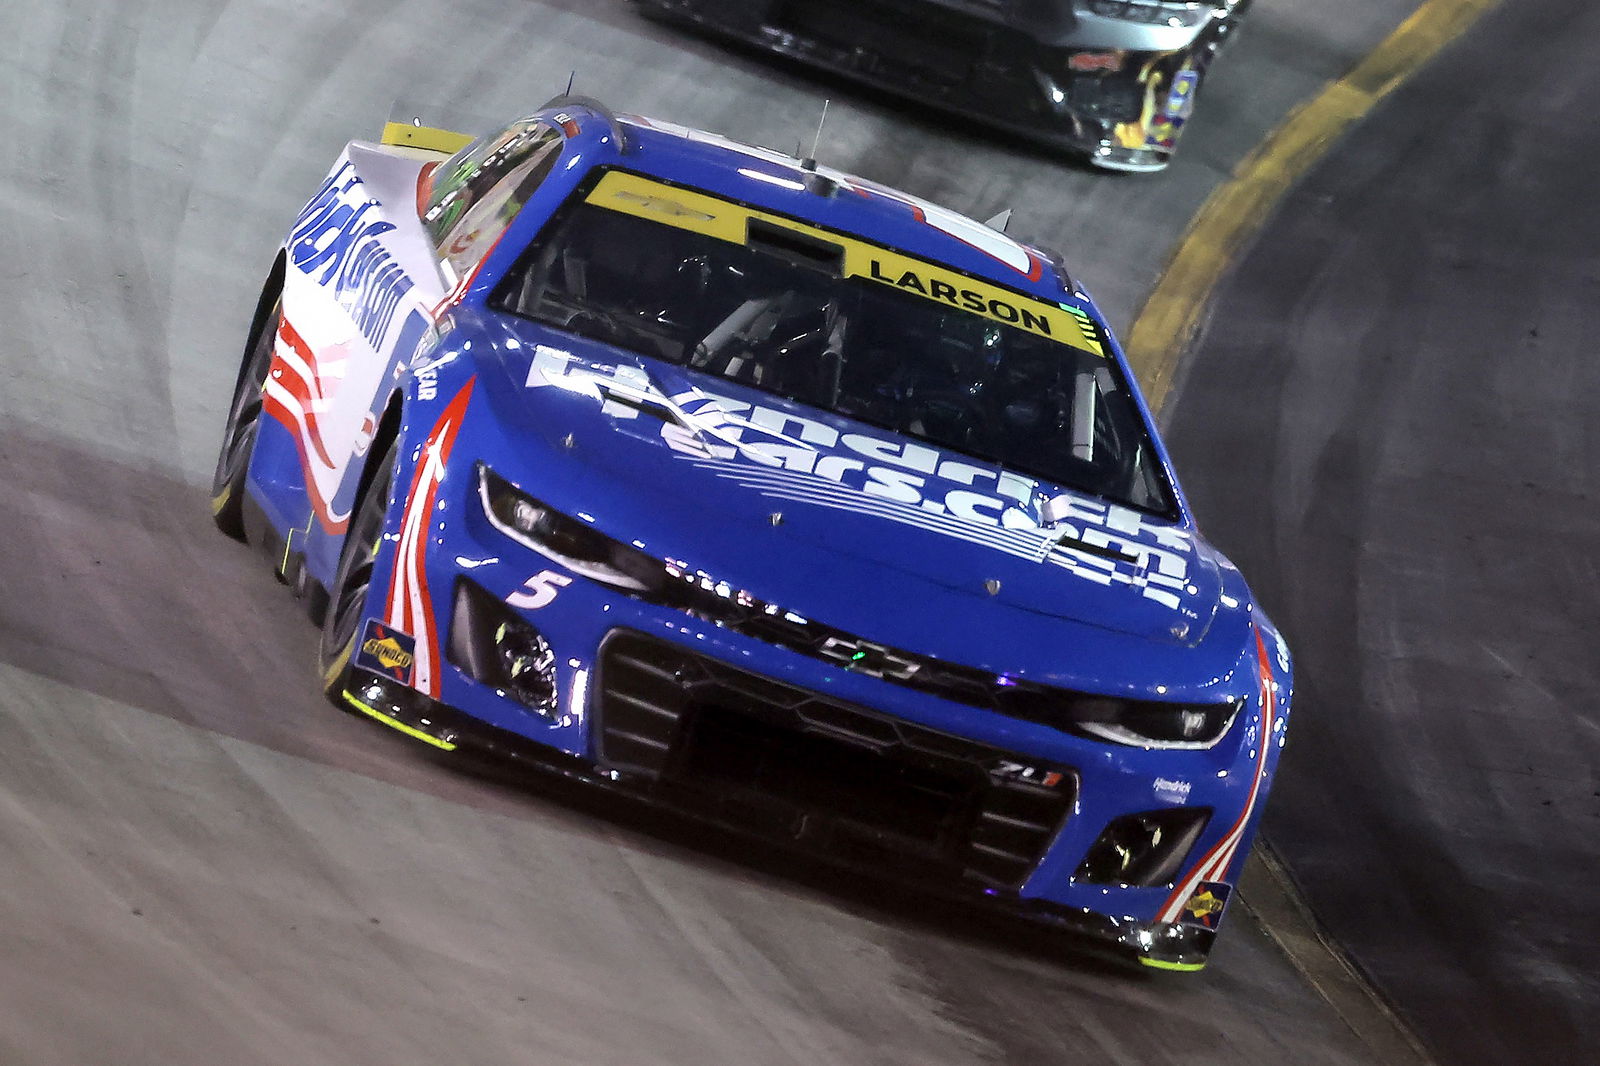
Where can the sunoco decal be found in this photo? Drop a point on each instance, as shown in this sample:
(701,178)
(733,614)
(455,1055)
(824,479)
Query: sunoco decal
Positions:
(1204,907)
(387,651)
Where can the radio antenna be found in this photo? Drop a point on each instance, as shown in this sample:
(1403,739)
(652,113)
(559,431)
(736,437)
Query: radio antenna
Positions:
(816,141)
(817,183)
(570,79)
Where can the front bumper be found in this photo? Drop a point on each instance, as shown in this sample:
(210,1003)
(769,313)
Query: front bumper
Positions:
(723,726)
(1115,107)
(858,839)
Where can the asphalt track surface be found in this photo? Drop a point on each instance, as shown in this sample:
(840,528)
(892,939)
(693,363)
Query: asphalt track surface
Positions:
(1390,424)
(203,861)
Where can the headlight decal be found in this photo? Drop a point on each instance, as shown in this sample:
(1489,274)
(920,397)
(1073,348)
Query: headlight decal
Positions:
(563,539)
(1158,725)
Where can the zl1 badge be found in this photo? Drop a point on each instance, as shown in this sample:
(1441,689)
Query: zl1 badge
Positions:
(386,651)
(1205,907)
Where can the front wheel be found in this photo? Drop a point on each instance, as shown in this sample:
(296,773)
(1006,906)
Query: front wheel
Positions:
(347,599)
(243,426)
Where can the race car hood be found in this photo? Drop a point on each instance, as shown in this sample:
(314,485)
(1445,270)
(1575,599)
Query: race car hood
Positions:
(824,486)
(1065,23)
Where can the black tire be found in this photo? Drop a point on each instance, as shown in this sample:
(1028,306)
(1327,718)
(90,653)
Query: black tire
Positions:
(352,580)
(243,426)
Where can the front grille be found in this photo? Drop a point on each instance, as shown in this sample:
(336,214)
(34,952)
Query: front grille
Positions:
(853,782)
(1107,98)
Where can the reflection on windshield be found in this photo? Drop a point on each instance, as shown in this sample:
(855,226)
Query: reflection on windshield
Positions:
(772,317)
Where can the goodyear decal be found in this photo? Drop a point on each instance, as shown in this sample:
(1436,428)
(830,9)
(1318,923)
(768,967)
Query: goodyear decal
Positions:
(335,242)
(631,194)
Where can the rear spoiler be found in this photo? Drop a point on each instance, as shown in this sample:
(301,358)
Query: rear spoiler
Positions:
(430,127)
(431,138)
(414,134)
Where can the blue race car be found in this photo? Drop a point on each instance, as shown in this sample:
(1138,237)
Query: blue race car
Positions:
(764,492)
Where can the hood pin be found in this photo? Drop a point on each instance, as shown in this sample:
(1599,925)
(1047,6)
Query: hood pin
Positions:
(569,441)
(776,518)
(993,585)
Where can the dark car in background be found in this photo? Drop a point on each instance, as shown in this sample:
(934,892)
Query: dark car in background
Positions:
(1112,80)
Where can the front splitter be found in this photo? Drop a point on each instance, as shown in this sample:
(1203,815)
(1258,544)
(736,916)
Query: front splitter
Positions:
(1157,945)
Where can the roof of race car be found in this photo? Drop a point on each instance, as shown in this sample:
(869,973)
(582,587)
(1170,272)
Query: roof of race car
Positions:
(769,179)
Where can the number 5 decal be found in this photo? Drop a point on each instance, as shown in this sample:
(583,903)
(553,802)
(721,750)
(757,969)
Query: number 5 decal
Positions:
(538,591)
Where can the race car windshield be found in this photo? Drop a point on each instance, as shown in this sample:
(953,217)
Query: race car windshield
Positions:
(776,310)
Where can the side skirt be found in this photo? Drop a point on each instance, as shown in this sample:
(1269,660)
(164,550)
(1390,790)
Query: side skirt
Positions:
(288,562)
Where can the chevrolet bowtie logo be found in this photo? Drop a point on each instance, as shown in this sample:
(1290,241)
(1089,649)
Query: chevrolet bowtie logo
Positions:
(863,657)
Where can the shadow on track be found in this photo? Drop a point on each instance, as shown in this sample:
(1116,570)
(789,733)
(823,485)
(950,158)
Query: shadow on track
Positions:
(117,584)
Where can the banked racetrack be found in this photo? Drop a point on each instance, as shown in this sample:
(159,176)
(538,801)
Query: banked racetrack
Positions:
(203,862)
(1390,424)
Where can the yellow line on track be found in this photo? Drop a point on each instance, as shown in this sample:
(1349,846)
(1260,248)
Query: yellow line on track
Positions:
(1240,206)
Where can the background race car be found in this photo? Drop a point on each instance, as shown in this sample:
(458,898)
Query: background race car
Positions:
(768,493)
(1112,80)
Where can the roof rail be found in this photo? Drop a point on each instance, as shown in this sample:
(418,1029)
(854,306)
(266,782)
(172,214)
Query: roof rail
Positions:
(1059,263)
(591,104)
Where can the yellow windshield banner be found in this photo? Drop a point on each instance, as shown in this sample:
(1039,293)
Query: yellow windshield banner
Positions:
(698,212)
